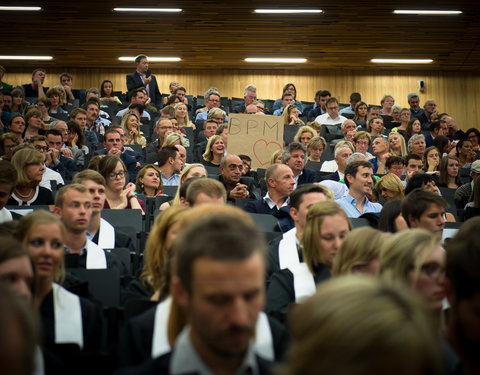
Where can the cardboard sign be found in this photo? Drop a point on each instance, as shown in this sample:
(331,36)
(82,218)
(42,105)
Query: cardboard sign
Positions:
(257,136)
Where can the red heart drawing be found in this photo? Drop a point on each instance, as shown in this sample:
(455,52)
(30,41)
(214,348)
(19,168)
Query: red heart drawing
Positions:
(263,150)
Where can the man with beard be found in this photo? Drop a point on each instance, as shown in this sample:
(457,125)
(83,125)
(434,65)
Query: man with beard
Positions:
(463,293)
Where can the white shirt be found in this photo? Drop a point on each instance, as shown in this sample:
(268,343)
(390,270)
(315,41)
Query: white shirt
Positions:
(49,175)
(329,166)
(327,120)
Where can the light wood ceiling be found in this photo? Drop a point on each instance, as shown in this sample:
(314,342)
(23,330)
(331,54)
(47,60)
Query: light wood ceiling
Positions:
(211,34)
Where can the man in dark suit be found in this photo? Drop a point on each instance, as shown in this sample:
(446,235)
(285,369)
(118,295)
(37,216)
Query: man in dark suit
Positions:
(294,156)
(221,293)
(59,162)
(280,182)
(143,77)
(249,95)
(231,177)
(436,128)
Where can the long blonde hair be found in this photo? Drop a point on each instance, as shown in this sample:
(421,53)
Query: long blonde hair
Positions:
(156,254)
(311,238)
(186,119)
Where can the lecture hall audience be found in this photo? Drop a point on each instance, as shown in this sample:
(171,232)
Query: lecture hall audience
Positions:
(174,282)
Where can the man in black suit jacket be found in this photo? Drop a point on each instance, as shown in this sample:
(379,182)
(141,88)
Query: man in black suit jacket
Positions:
(280,182)
(294,156)
(221,295)
(139,79)
(57,161)
(249,95)
(231,177)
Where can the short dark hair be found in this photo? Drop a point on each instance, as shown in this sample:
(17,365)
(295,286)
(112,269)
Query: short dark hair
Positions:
(207,237)
(418,201)
(394,160)
(8,173)
(417,181)
(352,168)
(410,157)
(138,58)
(434,125)
(165,153)
(245,157)
(322,93)
(296,198)
(91,102)
(463,260)
(54,132)
(355,97)
(286,94)
(180,88)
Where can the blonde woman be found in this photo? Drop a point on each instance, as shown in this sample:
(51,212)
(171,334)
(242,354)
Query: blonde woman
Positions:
(43,235)
(155,271)
(191,170)
(415,258)
(398,146)
(218,115)
(387,103)
(359,252)
(291,116)
(131,125)
(181,114)
(390,187)
(304,135)
(360,325)
(316,147)
(214,151)
(326,227)
(276,157)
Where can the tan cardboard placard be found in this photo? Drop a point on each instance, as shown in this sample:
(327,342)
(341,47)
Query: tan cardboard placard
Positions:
(257,136)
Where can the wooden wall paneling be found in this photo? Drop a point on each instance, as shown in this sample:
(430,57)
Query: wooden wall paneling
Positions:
(455,93)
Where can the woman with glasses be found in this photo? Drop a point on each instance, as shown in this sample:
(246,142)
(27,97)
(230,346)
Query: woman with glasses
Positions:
(30,166)
(416,259)
(404,119)
(473,135)
(118,195)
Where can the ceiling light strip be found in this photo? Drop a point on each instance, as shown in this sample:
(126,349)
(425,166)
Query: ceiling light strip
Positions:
(159,10)
(275,60)
(20,8)
(402,61)
(6,57)
(288,11)
(151,59)
(428,12)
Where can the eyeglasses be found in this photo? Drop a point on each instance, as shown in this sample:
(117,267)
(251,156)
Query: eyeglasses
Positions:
(114,175)
(363,143)
(41,148)
(214,100)
(433,270)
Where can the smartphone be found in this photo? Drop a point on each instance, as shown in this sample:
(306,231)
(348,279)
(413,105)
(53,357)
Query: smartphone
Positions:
(148,73)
